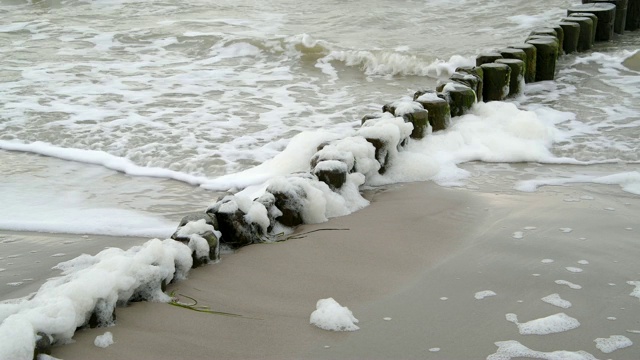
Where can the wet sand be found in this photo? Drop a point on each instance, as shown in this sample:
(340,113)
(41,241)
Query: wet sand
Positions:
(418,255)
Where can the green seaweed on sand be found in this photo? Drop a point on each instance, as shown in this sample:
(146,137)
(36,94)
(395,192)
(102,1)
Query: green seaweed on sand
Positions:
(280,237)
(175,301)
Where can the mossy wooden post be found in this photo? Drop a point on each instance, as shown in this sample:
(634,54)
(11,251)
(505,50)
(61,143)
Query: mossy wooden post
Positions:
(487,57)
(467,80)
(460,97)
(621,13)
(546,58)
(633,15)
(516,82)
(532,55)
(496,81)
(605,14)
(438,108)
(586,31)
(571,36)
(414,113)
(593,18)
(560,35)
(479,74)
(547,32)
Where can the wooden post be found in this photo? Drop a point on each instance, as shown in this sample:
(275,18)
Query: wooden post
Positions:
(532,55)
(605,14)
(496,81)
(571,36)
(546,57)
(516,82)
(586,31)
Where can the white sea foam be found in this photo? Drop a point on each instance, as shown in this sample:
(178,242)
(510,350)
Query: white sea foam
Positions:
(329,315)
(612,343)
(636,291)
(628,181)
(569,284)
(104,340)
(484,294)
(512,349)
(573,269)
(556,300)
(552,324)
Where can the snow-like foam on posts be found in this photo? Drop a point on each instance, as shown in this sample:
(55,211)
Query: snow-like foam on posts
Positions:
(90,284)
(513,349)
(330,315)
(552,324)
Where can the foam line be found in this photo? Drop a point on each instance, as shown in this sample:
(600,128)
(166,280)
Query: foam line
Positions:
(100,158)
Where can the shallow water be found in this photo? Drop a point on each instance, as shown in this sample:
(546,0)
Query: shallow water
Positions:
(191,91)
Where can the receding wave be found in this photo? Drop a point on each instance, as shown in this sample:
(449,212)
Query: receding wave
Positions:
(100,158)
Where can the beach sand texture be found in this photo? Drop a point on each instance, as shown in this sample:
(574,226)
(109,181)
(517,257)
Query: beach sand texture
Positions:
(418,255)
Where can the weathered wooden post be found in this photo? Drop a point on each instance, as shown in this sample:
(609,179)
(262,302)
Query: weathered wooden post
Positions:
(593,18)
(605,14)
(516,82)
(547,54)
(571,36)
(487,57)
(532,55)
(460,97)
(633,15)
(438,108)
(586,31)
(560,34)
(621,13)
(548,31)
(479,75)
(496,81)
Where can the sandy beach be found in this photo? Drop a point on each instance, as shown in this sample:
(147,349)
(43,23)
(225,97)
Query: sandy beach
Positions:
(412,267)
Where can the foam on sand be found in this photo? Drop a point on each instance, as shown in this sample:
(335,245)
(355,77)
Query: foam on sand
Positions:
(484,294)
(636,291)
(330,315)
(552,324)
(104,340)
(556,300)
(612,343)
(569,284)
(512,349)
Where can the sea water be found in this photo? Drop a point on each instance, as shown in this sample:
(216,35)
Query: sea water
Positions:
(124,112)
(118,117)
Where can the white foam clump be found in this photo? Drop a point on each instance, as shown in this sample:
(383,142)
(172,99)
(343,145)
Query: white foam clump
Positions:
(103,340)
(569,284)
(612,343)
(330,315)
(518,235)
(552,324)
(484,294)
(556,300)
(512,349)
(628,181)
(636,291)
(90,284)
(573,269)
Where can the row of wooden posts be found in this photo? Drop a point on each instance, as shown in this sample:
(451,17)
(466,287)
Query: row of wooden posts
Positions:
(501,74)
